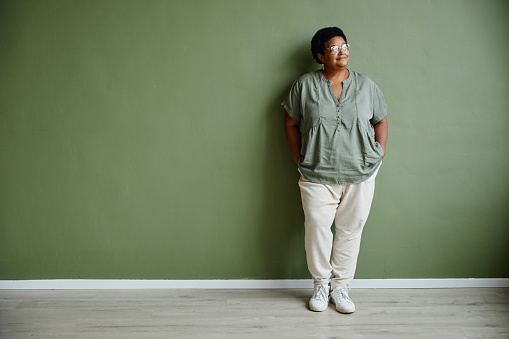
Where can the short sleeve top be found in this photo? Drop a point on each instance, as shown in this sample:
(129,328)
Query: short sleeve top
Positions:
(337,136)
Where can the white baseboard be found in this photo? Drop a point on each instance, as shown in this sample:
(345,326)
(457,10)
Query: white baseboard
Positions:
(99,284)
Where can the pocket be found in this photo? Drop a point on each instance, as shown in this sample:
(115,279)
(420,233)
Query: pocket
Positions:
(373,151)
(302,179)
(373,176)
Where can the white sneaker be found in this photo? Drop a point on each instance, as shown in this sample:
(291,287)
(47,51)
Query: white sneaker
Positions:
(320,299)
(343,302)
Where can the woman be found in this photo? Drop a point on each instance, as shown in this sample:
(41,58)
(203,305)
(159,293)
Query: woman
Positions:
(336,127)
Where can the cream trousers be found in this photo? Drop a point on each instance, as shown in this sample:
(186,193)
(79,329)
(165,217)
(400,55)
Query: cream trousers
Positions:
(348,206)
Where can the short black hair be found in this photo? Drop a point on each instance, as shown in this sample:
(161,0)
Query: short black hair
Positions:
(320,39)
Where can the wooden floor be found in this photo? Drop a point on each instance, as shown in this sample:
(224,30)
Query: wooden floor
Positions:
(281,313)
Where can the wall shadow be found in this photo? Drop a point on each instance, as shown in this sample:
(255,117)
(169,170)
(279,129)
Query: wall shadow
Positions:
(282,220)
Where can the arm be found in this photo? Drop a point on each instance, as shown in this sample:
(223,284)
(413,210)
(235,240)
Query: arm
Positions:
(292,131)
(381,131)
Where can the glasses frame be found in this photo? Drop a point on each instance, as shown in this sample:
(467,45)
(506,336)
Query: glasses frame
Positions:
(335,49)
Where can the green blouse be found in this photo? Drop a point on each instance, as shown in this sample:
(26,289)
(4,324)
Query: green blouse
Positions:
(337,136)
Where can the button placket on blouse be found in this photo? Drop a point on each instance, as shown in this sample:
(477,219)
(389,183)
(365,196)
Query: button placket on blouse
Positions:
(338,106)
(338,110)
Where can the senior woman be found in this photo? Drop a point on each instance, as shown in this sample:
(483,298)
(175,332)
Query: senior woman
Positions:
(336,127)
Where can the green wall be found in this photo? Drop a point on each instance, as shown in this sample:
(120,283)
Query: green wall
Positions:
(144,139)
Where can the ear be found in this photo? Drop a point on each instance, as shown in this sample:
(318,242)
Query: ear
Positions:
(321,57)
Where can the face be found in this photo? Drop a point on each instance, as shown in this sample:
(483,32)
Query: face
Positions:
(332,59)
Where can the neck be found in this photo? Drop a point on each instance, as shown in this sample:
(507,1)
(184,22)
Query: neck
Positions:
(336,74)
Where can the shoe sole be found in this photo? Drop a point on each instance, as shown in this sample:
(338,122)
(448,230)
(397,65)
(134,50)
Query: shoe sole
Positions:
(319,309)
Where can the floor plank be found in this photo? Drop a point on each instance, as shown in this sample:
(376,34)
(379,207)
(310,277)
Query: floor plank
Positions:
(381,313)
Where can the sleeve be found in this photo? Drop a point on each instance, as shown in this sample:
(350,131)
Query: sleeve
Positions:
(292,101)
(379,105)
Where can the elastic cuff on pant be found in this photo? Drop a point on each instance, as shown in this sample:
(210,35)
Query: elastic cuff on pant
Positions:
(334,285)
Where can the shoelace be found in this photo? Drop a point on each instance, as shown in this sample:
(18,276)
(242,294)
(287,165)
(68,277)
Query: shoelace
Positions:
(320,293)
(343,292)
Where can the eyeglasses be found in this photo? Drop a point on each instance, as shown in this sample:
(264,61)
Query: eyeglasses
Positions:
(335,49)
